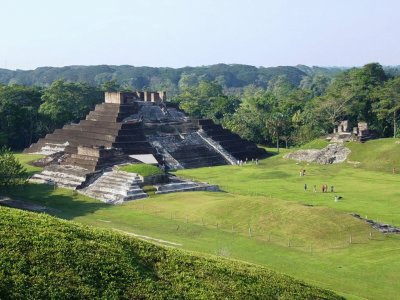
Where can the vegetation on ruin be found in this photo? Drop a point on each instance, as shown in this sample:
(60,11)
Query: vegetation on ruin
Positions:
(43,257)
(144,170)
(303,234)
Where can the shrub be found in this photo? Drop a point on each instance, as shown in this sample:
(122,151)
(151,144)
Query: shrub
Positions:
(11,171)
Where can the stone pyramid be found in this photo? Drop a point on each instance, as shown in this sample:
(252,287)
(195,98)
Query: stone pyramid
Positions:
(140,123)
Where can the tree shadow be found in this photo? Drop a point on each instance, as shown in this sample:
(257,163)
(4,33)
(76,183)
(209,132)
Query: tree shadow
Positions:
(62,203)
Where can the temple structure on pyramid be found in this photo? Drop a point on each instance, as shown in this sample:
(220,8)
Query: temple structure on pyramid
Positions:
(135,127)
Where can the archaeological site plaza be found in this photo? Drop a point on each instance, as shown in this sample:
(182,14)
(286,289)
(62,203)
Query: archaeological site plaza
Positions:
(129,128)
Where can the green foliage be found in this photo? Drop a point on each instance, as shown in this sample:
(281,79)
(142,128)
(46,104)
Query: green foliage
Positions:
(206,99)
(142,169)
(290,105)
(91,263)
(149,189)
(11,171)
(65,102)
(387,105)
(19,120)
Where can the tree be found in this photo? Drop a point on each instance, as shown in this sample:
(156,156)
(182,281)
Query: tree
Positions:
(388,103)
(19,121)
(111,86)
(65,102)
(205,100)
(11,171)
(276,122)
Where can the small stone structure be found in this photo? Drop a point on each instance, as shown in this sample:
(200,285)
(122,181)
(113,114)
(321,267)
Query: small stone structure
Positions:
(135,123)
(130,98)
(331,154)
(343,132)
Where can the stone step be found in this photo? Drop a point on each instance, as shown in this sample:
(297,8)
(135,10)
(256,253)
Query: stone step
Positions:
(58,180)
(116,187)
(111,181)
(185,187)
(52,174)
(46,180)
(115,198)
(115,191)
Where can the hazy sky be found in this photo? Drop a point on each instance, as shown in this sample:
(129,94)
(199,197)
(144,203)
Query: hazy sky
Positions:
(178,33)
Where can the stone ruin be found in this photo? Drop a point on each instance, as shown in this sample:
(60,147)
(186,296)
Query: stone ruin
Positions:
(344,133)
(125,127)
(331,154)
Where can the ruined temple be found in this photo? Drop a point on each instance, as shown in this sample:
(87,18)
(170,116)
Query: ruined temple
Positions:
(131,127)
(344,133)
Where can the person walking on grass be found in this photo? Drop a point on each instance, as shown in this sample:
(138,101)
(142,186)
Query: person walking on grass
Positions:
(332,188)
(305,187)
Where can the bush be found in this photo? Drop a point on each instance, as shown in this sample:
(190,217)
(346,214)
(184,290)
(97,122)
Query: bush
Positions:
(11,171)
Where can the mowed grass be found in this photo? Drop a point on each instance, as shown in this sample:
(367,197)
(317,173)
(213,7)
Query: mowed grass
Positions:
(142,169)
(265,217)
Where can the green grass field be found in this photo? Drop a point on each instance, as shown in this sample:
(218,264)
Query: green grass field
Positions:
(264,216)
(46,258)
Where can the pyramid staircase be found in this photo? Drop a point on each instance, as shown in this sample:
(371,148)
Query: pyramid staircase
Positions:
(115,187)
(231,142)
(102,127)
(71,177)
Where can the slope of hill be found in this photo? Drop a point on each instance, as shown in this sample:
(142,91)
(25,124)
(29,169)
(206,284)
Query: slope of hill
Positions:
(44,257)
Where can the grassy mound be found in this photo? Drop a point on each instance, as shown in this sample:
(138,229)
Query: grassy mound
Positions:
(142,169)
(44,257)
(377,155)
(315,144)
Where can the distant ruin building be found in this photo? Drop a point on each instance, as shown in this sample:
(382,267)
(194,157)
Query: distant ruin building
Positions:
(344,132)
(132,127)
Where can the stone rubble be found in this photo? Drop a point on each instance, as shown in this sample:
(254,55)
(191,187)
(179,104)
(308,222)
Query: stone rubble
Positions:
(331,154)
(384,228)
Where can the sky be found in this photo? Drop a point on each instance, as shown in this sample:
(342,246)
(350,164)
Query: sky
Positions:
(178,33)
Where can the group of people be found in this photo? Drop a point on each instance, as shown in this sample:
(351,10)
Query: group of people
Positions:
(241,162)
(324,188)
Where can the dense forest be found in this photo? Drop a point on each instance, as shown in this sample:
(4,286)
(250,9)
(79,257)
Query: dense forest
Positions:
(232,77)
(282,105)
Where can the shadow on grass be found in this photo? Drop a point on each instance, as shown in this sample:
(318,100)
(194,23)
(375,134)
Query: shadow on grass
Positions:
(62,203)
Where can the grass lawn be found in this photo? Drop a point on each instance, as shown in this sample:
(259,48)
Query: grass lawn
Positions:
(264,216)
(142,169)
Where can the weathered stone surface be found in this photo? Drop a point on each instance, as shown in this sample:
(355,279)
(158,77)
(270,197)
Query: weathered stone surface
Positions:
(115,187)
(331,154)
(66,176)
(177,184)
